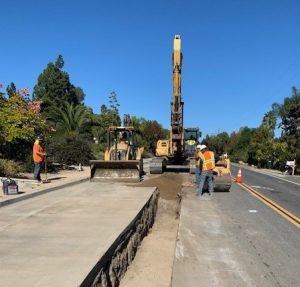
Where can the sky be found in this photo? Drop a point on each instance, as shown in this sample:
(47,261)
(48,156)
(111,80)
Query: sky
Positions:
(239,57)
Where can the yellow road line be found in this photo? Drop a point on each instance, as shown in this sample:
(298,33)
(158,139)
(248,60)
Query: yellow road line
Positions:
(280,210)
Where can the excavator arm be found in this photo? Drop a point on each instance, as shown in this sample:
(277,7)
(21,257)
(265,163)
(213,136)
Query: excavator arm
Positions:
(177,132)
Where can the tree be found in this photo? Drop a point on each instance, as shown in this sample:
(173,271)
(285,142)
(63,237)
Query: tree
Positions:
(239,146)
(109,116)
(19,120)
(68,119)
(148,133)
(20,123)
(69,149)
(2,96)
(289,112)
(54,86)
(11,90)
(218,143)
(269,122)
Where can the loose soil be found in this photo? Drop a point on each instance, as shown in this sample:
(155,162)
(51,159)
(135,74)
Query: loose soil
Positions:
(152,266)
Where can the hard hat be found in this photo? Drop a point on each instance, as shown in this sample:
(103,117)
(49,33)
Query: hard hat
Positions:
(198,146)
(202,146)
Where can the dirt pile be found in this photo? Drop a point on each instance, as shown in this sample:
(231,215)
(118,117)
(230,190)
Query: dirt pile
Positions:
(169,184)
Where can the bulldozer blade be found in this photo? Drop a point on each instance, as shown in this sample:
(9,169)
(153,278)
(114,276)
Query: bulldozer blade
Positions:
(116,170)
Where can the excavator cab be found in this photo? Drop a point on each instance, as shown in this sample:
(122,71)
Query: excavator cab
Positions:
(122,158)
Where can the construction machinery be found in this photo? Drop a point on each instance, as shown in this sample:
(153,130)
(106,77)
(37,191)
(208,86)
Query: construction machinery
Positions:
(177,152)
(222,174)
(122,158)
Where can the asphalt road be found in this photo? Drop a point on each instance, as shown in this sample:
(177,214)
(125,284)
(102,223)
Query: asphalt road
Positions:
(282,189)
(233,239)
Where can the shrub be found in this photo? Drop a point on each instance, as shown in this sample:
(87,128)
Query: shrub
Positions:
(9,168)
(69,150)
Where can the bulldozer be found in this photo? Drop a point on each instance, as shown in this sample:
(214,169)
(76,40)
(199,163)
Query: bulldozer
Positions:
(177,152)
(122,158)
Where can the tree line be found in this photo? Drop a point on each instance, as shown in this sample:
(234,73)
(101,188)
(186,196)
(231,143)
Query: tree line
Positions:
(259,146)
(75,134)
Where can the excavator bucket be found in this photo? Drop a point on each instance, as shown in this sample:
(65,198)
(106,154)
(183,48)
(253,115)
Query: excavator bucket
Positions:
(116,170)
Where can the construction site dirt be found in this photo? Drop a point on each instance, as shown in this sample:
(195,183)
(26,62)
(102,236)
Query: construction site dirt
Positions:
(153,263)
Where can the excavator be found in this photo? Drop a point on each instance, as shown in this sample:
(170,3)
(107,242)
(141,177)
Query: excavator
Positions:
(122,158)
(177,152)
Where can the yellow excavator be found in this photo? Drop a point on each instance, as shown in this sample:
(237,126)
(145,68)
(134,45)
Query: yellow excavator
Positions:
(122,158)
(177,152)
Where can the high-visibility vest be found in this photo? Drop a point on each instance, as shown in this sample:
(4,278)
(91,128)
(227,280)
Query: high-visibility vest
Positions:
(38,152)
(207,160)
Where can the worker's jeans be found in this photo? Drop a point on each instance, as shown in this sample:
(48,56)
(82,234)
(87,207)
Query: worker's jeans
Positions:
(197,175)
(37,171)
(207,174)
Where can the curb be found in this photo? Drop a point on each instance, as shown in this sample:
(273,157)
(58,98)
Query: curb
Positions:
(40,192)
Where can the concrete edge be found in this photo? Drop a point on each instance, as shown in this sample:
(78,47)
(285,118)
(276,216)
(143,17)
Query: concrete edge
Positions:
(40,192)
(112,266)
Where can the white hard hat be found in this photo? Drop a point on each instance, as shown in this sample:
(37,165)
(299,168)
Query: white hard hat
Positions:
(198,146)
(202,146)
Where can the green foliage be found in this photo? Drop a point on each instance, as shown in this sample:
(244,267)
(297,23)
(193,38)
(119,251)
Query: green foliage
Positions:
(9,168)
(148,133)
(218,143)
(239,145)
(54,86)
(269,123)
(69,149)
(109,116)
(289,112)
(68,119)
(17,150)
(97,151)
(11,90)
(19,120)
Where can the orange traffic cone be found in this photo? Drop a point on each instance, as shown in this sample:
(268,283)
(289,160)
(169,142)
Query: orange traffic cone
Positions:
(239,178)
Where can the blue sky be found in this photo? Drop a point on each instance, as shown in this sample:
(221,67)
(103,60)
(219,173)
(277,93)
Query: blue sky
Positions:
(239,57)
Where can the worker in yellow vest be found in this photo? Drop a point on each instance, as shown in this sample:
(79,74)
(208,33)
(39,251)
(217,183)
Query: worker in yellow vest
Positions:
(207,164)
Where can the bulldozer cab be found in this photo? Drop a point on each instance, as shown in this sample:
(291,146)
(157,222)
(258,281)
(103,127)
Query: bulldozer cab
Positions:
(122,158)
(121,144)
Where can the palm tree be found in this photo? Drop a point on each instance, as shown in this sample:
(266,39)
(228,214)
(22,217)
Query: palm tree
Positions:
(68,119)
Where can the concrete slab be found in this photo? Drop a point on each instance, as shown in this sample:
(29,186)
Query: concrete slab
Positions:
(28,188)
(57,239)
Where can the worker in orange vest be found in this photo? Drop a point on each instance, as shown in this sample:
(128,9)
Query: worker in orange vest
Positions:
(38,158)
(207,164)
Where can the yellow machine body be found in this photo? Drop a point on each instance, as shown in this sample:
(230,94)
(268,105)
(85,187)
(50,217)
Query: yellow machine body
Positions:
(177,152)
(222,174)
(122,158)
